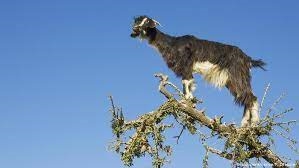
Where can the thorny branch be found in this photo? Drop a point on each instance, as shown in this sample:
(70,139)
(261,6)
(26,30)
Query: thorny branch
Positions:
(241,144)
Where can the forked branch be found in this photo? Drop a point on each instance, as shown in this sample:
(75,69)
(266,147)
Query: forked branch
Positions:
(241,144)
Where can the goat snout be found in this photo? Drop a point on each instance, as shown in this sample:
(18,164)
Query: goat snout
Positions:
(135,32)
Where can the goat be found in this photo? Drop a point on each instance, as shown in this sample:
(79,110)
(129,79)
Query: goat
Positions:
(219,64)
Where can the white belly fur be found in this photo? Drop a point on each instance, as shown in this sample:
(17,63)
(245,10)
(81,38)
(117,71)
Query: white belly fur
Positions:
(211,73)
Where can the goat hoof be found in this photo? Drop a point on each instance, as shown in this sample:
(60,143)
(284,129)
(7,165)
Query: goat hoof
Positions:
(195,100)
(255,122)
(188,103)
(245,124)
(183,102)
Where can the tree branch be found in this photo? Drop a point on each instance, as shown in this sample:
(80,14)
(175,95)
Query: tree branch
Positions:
(241,144)
(225,130)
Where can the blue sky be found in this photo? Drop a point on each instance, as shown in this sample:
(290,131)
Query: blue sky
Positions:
(59,60)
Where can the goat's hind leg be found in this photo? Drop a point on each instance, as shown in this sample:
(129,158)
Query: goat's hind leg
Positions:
(246,122)
(251,113)
(254,113)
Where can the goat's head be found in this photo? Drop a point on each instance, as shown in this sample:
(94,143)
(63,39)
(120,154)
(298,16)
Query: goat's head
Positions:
(141,25)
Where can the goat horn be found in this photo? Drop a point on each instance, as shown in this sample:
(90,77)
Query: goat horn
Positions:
(143,21)
(157,22)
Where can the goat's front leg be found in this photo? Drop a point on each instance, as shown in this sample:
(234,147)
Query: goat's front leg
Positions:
(188,88)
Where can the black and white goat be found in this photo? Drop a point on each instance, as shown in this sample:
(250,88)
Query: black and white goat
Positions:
(219,64)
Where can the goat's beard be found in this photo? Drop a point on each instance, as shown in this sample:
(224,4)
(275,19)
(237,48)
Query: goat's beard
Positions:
(141,34)
(134,35)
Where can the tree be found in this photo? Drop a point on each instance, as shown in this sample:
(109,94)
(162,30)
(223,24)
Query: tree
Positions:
(240,144)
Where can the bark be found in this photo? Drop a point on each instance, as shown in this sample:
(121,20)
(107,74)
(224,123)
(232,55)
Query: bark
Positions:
(257,148)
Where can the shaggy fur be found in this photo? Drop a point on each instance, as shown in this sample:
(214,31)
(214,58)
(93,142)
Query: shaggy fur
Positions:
(182,53)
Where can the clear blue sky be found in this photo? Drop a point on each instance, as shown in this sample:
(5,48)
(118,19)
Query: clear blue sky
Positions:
(60,59)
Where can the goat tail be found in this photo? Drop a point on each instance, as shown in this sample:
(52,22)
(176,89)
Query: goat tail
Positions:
(258,63)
